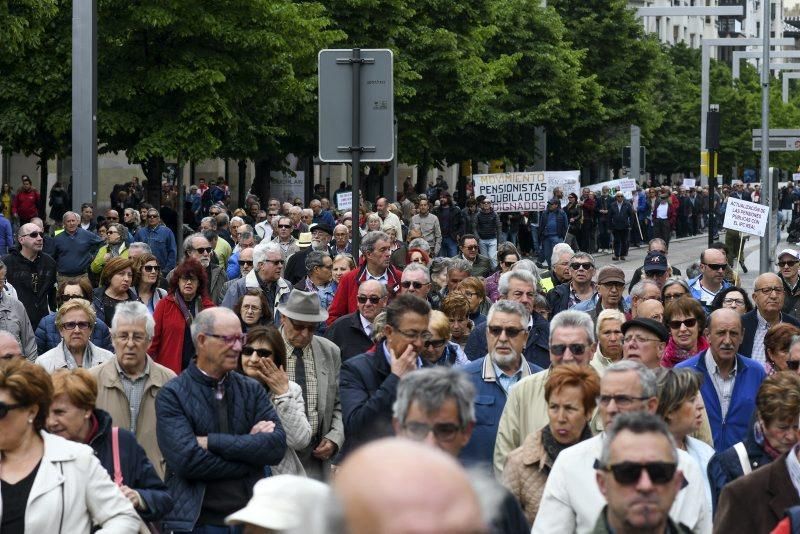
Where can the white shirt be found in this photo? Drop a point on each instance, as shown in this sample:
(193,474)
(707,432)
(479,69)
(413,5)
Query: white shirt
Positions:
(758,353)
(662,211)
(723,386)
(366,325)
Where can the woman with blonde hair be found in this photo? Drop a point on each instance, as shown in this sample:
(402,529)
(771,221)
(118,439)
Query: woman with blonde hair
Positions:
(75,321)
(439,350)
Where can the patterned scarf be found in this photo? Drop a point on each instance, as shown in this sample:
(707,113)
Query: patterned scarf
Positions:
(553,447)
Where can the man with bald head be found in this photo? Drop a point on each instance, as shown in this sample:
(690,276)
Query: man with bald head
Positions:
(421,489)
(9,347)
(731,381)
(649,309)
(712,277)
(769,297)
(32,273)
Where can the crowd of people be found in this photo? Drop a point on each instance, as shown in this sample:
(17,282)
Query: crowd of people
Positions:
(260,380)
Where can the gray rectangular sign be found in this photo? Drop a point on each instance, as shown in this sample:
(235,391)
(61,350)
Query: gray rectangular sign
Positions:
(336,105)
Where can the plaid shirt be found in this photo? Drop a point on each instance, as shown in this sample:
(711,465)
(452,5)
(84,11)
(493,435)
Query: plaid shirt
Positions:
(311,381)
(134,390)
(723,386)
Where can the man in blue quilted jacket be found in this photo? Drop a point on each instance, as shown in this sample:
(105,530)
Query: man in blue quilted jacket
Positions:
(217,429)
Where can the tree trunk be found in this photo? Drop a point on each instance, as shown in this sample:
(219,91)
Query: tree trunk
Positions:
(242,182)
(261,183)
(153,169)
(43,186)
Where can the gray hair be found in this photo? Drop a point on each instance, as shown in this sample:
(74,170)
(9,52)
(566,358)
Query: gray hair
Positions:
(522,276)
(211,220)
(581,254)
(608,315)
(647,378)
(368,241)
(67,214)
(638,289)
(222,218)
(315,259)
(414,266)
(459,264)
(528,266)
(573,319)
(421,244)
(187,243)
(558,250)
(509,306)
(236,219)
(636,423)
(3,266)
(133,312)
(140,245)
(137,218)
(205,320)
(261,250)
(430,388)
(377,325)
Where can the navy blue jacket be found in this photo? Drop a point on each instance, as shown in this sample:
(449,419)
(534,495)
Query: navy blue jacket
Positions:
(562,223)
(137,471)
(74,253)
(725,466)
(162,243)
(47,335)
(620,217)
(750,325)
(732,429)
(368,390)
(349,335)
(185,409)
(537,348)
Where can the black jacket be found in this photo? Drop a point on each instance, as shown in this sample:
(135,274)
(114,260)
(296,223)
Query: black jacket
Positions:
(537,348)
(137,471)
(347,333)
(295,269)
(455,222)
(558,298)
(750,325)
(620,217)
(368,390)
(35,282)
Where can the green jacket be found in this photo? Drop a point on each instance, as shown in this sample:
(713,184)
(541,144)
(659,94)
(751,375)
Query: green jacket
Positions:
(601,527)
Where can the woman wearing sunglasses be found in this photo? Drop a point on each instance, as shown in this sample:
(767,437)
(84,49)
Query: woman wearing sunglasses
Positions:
(264,359)
(74,492)
(439,350)
(172,344)
(777,342)
(75,321)
(507,257)
(74,416)
(146,279)
(773,431)
(681,407)
(570,393)
(115,246)
(253,309)
(47,333)
(686,321)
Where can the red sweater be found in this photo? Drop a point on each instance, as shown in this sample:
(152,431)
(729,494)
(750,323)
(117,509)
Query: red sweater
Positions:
(167,345)
(345,301)
(26,204)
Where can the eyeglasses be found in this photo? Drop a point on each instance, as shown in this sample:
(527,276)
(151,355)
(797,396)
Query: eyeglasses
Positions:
(469,294)
(768,290)
(673,296)
(306,327)
(435,343)
(585,266)
(511,331)
(509,264)
(787,263)
(284,226)
(262,353)
(275,262)
(204,250)
(629,473)
(229,340)
(5,408)
(34,235)
(424,336)
(574,348)
(124,338)
(245,263)
(441,431)
(72,325)
(151,268)
(67,298)
(471,247)
(638,339)
(362,299)
(676,325)
(416,285)
(622,401)
(112,218)
(716,266)
(732,302)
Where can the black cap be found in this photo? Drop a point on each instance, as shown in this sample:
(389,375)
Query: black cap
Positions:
(648,324)
(654,262)
(321,227)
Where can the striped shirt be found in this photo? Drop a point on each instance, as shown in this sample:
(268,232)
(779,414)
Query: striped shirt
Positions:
(723,386)
(134,390)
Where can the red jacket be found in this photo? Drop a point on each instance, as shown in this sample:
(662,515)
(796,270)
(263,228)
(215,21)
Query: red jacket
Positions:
(167,345)
(26,204)
(345,302)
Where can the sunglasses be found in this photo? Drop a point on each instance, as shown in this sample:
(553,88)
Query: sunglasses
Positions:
(794,365)
(152,216)
(306,327)
(243,263)
(5,408)
(34,235)
(151,269)
(67,298)
(574,348)
(716,266)
(585,266)
(284,226)
(471,247)
(787,263)
(362,299)
(262,353)
(676,325)
(204,250)
(509,264)
(71,325)
(510,331)
(435,343)
(629,473)
(416,285)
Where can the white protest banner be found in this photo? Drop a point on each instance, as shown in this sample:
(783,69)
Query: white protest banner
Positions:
(287,187)
(626,185)
(689,182)
(746,217)
(344,201)
(796,176)
(525,191)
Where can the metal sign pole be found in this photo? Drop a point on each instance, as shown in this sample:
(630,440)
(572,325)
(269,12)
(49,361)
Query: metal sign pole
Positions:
(355,152)
(766,196)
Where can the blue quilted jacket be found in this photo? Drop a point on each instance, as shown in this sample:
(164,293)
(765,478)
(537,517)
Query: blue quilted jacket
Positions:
(185,409)
(47,335)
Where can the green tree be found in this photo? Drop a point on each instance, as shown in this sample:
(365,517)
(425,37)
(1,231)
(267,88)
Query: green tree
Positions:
(24,24)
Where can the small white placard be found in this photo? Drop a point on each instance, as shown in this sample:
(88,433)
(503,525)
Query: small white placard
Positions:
(746,217)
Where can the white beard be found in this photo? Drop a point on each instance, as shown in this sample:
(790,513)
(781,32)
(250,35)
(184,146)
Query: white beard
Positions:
(505,360)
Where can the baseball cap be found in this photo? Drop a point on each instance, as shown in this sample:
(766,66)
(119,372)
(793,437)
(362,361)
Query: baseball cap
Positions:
(790,252)
(611,274)
(655,262)
(281,502)
(648,324)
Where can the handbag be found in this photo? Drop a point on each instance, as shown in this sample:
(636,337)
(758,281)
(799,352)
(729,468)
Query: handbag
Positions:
(146,527)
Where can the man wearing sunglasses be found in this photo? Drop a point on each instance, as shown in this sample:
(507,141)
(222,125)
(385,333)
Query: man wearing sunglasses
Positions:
(789,266)
(579,288)
(245,263)
(352,333)
(160,238)
(572,500)
(217,429)
(610,285)
(32,273)
(285,239)
(638,475)
(416,281)
(768,297)
(480,265)
(712,277)
(268,262)
(197,247)
(313,362)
